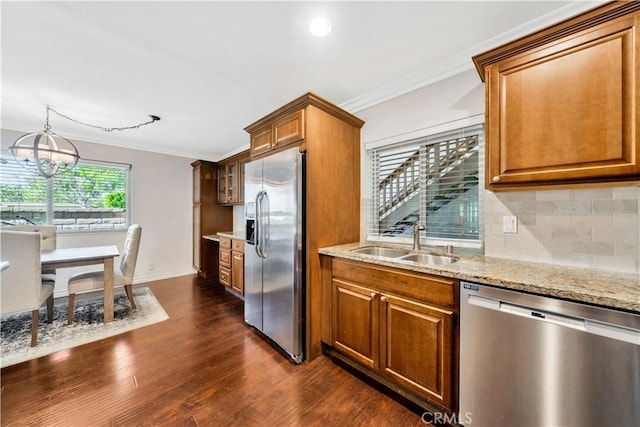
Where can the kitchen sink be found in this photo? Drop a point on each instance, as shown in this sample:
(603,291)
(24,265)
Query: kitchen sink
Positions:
(429,259)
(381,251)
(405,255)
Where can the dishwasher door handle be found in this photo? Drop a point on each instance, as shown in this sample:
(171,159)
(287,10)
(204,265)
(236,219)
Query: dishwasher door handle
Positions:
(586,325)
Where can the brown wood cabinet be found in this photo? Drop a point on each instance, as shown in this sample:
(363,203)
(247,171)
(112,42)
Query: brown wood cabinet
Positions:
(355,322)
(231,179)
(331,139)
(398,325)
(237,266)
(563,104)
(225,262)
(415,347)
(288,129)
(232,264)
(208,218)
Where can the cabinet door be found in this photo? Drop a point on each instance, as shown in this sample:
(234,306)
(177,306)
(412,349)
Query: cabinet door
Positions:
(355,320)
(232,182)
(196,184)
(289,129)
(197,236)
(261,140)
(416,347)
(241,166)
(237,268)
(222,183)
(566,111)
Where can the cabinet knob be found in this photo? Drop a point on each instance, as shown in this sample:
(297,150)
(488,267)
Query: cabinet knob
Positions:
(495,179)
(373,295)
(383,299)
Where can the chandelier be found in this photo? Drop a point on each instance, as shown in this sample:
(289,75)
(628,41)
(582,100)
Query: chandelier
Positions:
(50,153)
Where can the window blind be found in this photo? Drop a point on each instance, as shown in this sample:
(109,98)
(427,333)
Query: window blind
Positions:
(433,181)
(94,196)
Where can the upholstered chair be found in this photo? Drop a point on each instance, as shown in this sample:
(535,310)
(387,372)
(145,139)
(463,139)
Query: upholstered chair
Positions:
(122,277)
(48,242)
(22,286)
(48,234)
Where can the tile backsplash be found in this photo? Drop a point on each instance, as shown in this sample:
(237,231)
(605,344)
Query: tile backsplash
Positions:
(597,228)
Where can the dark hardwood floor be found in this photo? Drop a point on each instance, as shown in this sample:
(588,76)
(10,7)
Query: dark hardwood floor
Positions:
(201,367)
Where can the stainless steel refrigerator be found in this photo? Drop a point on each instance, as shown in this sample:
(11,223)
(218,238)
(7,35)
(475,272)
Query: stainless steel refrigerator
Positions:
(274,250)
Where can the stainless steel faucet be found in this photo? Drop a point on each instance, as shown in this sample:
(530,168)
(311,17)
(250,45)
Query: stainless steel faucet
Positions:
(417,227)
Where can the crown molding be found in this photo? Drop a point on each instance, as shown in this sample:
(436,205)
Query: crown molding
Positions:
(460,61)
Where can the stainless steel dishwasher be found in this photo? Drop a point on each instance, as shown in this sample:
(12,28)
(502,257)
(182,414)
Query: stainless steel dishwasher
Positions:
(528,360)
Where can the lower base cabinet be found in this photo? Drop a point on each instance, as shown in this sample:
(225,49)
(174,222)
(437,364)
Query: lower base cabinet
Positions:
(415,342)
(225,261)
(237,266)
(397,325)
(232,264)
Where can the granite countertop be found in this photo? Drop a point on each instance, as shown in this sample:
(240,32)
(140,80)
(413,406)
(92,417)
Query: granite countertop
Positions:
(213,237)
(237,235)
(605,288)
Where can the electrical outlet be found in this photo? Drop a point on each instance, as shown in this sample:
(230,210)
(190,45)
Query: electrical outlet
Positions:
(510,224)
(152,265)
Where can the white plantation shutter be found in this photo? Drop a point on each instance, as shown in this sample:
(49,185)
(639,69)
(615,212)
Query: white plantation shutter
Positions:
(433,180)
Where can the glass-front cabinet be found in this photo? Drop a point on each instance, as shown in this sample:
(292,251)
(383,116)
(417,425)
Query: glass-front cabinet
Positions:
(231,179)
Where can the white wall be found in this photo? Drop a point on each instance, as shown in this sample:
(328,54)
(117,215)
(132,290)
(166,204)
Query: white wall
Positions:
(581,227)
(161,204)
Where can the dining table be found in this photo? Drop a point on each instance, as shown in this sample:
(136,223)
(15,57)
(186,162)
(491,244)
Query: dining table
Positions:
(75,257)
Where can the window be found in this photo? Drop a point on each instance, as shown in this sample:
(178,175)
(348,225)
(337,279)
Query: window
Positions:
(432,180)
(94,196)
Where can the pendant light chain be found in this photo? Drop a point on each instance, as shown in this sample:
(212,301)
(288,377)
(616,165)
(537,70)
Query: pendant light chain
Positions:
(47,127)
(105,129)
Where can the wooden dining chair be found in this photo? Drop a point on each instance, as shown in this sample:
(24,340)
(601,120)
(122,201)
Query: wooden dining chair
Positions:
(122,277)
(23,288)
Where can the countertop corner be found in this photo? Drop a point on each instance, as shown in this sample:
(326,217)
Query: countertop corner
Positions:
(236,235)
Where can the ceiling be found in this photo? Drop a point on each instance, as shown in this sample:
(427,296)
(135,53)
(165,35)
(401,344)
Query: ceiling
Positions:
(210,68)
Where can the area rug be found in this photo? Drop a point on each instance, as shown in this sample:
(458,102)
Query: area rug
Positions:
(88,325)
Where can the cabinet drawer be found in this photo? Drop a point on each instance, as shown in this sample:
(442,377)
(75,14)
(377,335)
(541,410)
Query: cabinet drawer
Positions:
(225,243)
(237,245)
(225,258)
(225,276)
(422,287)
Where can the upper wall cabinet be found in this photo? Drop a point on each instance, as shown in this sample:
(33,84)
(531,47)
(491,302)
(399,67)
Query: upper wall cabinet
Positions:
(285,130)
(562,105)
(231,179)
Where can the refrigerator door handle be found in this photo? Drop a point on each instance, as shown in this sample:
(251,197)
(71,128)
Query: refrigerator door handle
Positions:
(264,216)
(258,230)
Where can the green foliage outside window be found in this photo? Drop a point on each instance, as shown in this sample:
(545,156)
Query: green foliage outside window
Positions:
(88,197)
(88,186)
(115,200)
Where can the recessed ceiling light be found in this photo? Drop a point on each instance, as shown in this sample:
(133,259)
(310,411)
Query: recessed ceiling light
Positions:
(320,27)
